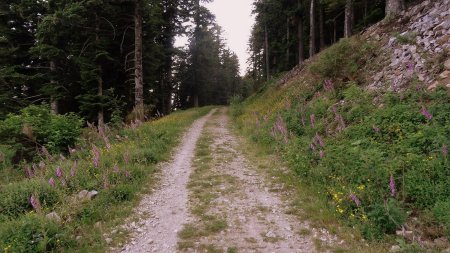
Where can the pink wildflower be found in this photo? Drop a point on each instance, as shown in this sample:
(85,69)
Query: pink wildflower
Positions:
(126,157)
(116,168)
(312,118)
(376,129)
(96,156)
(35,203)
(328,85)
(59,172)
(319,140)
(444,150)
(392,185)
(28,172)
(47,154)
(51,182)
(426,113)
(355,199)
(322,154)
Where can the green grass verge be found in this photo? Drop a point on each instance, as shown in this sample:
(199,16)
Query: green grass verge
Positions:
(118,172)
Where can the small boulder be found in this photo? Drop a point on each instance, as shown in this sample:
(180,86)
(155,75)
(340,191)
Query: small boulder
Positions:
(444,74)
(53,216)
(86,195)
(395,248)
(92,194)
(447,64)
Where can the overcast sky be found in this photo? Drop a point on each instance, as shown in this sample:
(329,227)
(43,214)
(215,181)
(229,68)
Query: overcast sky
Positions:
(234,16)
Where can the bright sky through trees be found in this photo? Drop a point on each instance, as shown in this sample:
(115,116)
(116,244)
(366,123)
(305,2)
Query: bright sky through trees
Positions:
(234,16)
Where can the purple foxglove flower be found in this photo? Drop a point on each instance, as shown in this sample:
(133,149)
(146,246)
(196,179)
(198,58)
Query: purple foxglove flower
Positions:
(126,157)
(333,108)
(127,173)
(52,182)
(322,154)
(312,118)
(355,199)
(35,203)
(47,154)
(28,172)
(444,150)
(59,172)
(312,147)
(376,129)
(340,120)
(328,85)
(96,156)
(105,139)
(392,185)
(116,168)
(426,113)
(320,140)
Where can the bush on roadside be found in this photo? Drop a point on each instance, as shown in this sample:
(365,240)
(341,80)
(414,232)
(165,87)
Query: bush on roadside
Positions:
(36,126)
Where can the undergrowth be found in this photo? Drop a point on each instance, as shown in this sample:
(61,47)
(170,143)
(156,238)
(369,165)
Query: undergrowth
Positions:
(117,164)
(380,159)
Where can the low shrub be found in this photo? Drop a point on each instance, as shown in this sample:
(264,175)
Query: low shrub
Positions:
(36,126)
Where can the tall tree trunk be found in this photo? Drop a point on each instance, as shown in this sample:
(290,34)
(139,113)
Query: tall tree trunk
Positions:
(366,7)
(53,101)
(288,53)
(100,113)
(394,7)
(301,43)
(321,28)
(138,71)
(312,29)
(266,52)
(349,18)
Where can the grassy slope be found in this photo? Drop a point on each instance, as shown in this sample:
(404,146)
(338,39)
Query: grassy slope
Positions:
(343,144)
(125,169)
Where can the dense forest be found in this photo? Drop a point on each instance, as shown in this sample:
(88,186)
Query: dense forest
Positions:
(105,59)
(289,31)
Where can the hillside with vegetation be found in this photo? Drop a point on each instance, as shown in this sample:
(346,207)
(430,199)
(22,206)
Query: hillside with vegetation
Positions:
(365,125)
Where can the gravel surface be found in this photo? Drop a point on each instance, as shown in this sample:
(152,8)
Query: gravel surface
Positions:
(166,207)
(255,215)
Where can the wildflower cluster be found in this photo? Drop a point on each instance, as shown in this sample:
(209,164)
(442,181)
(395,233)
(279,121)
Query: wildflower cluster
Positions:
(280,129)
